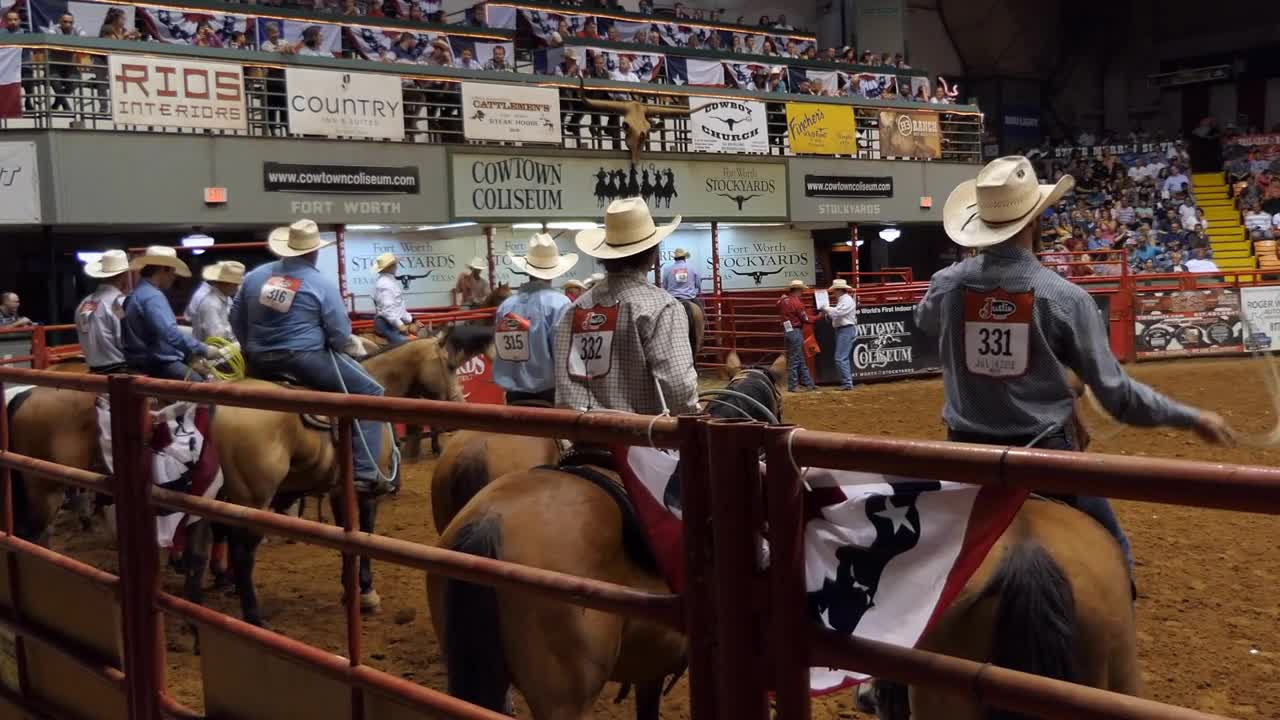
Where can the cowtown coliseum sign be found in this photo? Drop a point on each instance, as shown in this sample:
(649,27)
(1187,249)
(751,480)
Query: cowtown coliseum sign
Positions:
(498,187)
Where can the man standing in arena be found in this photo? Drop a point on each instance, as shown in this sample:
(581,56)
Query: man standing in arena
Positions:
(153,344)
(844,320)
(98,315)
(526,326)
(794,318)
(291,320)
(681,280)
(471,289)
(624,344)
(1010,328)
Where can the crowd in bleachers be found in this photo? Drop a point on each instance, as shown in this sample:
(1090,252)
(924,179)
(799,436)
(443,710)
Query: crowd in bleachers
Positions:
(1253,176)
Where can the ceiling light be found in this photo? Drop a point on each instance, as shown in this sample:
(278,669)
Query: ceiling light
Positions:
(449,226)
(87,256)
(572,226)
(527,226)
(367,227)
(197,240)
(890,234)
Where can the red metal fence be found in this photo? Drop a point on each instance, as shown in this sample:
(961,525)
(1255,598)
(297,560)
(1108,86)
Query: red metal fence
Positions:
(747,625)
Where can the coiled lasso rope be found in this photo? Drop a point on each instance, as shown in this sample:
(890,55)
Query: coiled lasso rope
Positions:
(231,368)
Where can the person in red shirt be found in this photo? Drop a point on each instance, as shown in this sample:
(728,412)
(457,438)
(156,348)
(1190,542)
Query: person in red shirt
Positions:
(794,318)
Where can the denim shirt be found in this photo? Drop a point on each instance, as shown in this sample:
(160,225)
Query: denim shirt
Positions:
(315,318)
(541,307)
(681,290)
(150,330)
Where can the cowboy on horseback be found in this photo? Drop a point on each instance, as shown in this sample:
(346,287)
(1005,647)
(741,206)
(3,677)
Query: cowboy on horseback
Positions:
(393,320)
(526,325)
(681,280)
(291,320)
(1009,328)
(212,318)
(623,345)
(98,315)
(153,344)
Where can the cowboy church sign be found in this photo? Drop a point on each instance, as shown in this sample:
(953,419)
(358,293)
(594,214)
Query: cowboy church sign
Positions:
(531,187)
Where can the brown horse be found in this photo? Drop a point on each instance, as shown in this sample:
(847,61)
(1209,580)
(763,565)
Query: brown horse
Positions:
(1052,597)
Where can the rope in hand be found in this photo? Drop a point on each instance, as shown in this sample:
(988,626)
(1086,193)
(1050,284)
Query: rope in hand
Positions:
(228,368)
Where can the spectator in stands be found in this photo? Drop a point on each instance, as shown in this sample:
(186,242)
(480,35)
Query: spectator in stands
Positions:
(63,65)
(571,115)
(10,317)
(1187,212)
(273,43)
(310,45)
(613,35)
(204,36)
(1149,250)
(499,59)
(782,24)
(239,41)
(606,124)
(347,8)
(1176,181)
(769,47)
(415,13)
(680,11)
(1124,212)
(441,54)
(1200,262)
(939,96)
(1176,263)
(765,21)
(645,7)
(694,42)
(113,26)
(1258,221)
(467,61)
(849,55)
(713,40)
(12,23)
(406,49)
(1175,233)
(655,37)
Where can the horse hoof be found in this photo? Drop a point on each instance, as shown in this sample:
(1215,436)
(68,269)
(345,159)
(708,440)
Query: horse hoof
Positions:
(370,601)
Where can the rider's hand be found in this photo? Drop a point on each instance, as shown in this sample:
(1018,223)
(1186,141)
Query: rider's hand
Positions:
(1212,428)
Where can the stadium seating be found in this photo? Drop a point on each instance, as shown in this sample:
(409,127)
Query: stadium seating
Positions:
(1231,250)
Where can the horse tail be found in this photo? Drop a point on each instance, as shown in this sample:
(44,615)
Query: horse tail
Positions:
(465,474)
(21,503)
(1036,620)
(473,639)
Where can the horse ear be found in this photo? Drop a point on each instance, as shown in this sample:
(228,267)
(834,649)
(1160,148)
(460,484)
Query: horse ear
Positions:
(732,364)
(778,370)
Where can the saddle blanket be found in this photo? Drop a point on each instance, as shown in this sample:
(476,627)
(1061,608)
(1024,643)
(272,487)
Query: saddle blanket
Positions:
(884,556)
(183,458)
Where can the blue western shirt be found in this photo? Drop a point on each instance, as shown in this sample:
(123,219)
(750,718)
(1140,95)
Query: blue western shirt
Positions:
(681,281)
(526,338)
(301,311)
(150,330)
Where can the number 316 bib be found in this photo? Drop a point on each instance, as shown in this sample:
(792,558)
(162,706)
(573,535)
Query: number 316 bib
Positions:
(591,342)
(997,332)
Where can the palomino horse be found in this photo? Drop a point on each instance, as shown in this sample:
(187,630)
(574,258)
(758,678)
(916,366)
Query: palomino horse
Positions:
(1052,597)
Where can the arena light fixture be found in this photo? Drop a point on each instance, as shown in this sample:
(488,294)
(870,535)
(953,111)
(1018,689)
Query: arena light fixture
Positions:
(449,226)
(572,226)
(527,226)
(890,234)
(88,256)
(197,240)
(367,227)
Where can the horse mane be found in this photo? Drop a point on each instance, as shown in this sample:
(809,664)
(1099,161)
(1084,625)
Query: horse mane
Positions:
(468,340)
(756,383)
(388,349)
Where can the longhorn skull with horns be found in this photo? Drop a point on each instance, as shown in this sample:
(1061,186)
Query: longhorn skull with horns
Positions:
(635,118)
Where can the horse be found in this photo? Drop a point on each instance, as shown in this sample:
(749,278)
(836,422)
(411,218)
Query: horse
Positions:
(557,655)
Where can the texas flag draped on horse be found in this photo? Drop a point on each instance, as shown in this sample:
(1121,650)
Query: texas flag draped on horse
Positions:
(884,556)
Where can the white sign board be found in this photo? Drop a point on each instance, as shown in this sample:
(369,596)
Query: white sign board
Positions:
(342,104)
(1260,308)
(752,258)
(518,244)
(511,113)
(427,270)
(177,93)
(728,126)
(19,184)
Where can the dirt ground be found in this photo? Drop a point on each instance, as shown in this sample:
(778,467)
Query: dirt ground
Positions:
(1209,617)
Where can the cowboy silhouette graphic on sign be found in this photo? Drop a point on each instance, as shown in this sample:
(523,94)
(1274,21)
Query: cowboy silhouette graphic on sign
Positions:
(656,186)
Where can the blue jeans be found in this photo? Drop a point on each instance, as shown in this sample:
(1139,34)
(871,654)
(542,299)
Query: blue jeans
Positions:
(389,331)
(316,369)
(797,368)
(172,370)
(844,348)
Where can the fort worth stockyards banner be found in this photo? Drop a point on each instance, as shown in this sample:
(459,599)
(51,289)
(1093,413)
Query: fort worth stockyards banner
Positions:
(820,129)
(721,125)
(176,93)
(1188,322)
(910,134)
(533,187)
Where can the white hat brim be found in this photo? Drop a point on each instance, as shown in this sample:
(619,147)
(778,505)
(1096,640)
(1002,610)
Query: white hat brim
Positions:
(278,244)
(212,273)
(564,264)
(161,261)
(94,270)
(379,267)
(963,225)
(593,242)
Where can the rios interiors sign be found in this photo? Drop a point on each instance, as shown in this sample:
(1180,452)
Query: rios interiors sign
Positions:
(502,187)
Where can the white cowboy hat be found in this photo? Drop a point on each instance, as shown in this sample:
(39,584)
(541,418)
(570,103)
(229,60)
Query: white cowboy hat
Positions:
(384,261)
(111,264)
(543,260)
(841,284)
(797,285)
(680,254)
(595,278)
(300,238)
(478,263)
(159,255)
(999,203)
(572,283)
(227,271)
(628,230)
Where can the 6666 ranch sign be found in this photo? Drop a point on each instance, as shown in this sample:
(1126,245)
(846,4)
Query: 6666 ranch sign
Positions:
(529,187)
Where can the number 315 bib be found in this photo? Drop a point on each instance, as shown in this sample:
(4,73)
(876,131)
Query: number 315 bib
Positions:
(997,332)
(591,342)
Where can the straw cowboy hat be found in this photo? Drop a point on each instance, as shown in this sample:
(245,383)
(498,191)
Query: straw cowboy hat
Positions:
(680,254)
(797,285)
(572,283)
(227,271)
(384,261)
(595,278)
(300,238)
(543,260)
(478,263)
(161,256)
(999,203)
(841,284)
(111,264)
(628,230)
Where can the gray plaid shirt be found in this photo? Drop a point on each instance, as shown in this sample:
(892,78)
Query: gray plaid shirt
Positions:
(649,349)
(1066,329)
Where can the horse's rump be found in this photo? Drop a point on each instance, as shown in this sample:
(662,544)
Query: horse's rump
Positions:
(634,542)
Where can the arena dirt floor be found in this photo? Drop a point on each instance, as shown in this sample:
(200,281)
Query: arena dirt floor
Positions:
(1209,613)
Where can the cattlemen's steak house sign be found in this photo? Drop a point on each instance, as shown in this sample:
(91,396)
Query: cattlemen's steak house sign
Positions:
(500,187)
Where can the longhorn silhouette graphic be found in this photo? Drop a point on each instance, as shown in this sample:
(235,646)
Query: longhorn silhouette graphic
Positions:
(405,279)
(728,121)
(758,275)
(738,199)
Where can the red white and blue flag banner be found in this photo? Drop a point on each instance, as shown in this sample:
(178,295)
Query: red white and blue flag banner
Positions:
(169,25)
(10,82)
(884,556)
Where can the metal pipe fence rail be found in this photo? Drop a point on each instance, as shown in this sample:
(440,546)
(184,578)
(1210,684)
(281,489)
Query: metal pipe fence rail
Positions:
(748,629)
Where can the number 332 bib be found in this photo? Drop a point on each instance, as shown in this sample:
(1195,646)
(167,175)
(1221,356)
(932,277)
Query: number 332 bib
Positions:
(591,342)
(997,332)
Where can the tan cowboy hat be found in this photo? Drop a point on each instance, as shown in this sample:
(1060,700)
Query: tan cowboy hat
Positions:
(478,263)
(999,203)
(797,285)
(300,238)
(628,230)
(594,279)
(161,256)
(572,283)
(543,260)
(227,271)
(384,261)
(841,284)
(111,264)
(680,254)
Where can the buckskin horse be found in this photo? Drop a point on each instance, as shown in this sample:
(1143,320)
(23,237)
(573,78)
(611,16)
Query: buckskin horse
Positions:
(1052,597)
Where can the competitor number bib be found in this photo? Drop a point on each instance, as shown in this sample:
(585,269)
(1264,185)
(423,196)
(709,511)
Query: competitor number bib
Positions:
(512,338)
(278,292)
(997,332)
(591,342)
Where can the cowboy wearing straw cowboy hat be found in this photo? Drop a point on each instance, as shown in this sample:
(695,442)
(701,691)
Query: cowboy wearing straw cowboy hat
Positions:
(794,318)
(624,345)
(153,344)
(526,325)
(843,317)
(573,288)
(291,320)
(393,320)
(681,280)
(471,289)
(213,315)
(98,315)
(1010,328)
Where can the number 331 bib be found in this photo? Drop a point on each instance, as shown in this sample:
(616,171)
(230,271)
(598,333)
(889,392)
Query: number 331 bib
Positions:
(591,342)
(997,332)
